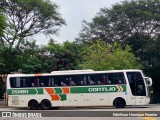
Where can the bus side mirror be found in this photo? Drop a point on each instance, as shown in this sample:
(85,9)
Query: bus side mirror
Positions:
(148,81)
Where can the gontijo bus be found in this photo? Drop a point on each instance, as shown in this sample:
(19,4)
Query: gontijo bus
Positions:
(78,88)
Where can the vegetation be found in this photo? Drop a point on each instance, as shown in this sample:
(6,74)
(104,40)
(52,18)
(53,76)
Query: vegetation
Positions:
(102,56)
(125,36)
(135,23)
(28,17)
(2,23)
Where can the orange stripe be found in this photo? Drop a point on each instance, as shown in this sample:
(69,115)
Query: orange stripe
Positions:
(50,90)
(37,74)
(55,97)
(66,90)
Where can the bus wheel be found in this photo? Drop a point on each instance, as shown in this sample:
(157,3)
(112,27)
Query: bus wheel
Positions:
(119,103)
(33,104)
(45,104)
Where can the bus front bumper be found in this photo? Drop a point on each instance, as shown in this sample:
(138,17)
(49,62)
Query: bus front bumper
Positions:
(147,100)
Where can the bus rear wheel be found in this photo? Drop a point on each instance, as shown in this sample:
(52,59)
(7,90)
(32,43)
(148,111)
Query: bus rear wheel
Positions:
(33,104)
(45,104)
(119,103)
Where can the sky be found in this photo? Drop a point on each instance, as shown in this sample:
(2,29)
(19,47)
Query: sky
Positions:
(74,12)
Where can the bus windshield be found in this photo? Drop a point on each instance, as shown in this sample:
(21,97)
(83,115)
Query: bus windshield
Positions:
(136,83)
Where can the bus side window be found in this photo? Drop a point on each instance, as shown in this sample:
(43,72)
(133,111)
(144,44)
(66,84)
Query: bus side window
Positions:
(72,81)
(104,80)
(79,79)
(91,80)
(42,84)
(121,81)
(59,80)
(110,78)
(13,82)
(109,82)
(51,82)
(81,82)
(97,79)
(33,85)
(85,80)
(63,83)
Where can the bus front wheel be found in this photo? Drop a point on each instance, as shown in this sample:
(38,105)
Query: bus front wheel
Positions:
(33,104)
(45,104)
(119,103)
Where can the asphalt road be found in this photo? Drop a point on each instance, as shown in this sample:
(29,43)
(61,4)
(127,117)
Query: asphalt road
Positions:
(93,113)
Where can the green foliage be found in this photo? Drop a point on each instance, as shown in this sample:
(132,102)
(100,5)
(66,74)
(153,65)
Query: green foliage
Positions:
(2,23)
(29,17)
(102,56)
(151,62)
(66,56)
(32,58)
(8,61)
(135,23)
(124,20)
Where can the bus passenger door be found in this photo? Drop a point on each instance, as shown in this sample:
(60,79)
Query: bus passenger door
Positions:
(137,88)
(140,93)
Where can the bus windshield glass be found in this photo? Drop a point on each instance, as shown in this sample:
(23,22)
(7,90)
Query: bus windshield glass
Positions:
(136,83)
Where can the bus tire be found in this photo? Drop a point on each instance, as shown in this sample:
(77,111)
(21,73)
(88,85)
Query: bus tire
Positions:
(119,103)
(33,104)
(45,104)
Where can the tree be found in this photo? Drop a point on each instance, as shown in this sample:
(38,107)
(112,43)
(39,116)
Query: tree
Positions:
(135,23)
(27,58)
(102,56)
(151,63)
(123,21)
(31,58)
(65,56)
(28,17)
(2,23)
(51,57)
(8,60)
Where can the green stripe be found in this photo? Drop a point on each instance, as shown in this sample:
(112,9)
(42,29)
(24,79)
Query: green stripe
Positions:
(63,97)
(40,90)
(58,90)
(124,88)
(25,91)
(97,89)
(83,89)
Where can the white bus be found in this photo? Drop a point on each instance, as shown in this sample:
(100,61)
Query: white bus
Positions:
(78,88)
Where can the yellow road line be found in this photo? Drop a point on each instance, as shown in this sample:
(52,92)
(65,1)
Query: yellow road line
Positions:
(150,118)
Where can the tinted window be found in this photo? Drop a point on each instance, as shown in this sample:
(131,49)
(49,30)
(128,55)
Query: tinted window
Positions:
(100,79)
(136,83)
(115,78)
(17,82)
(68,80)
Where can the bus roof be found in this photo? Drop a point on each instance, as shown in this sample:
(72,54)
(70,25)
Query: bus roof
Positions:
(70,71)
(73,72)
